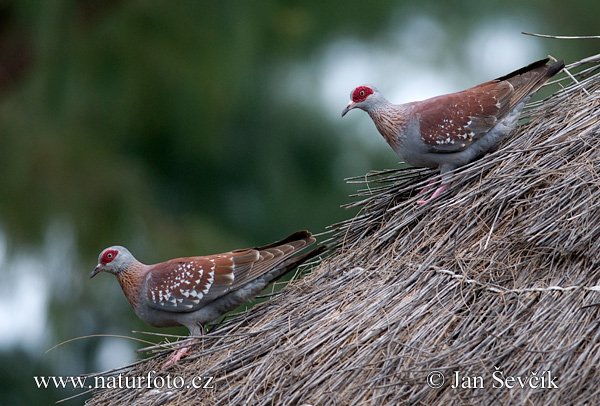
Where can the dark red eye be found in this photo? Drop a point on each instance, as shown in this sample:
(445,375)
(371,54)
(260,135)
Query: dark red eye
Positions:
(361,93)
(108,256)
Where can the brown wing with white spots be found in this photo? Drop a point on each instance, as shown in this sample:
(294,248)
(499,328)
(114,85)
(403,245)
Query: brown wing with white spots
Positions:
(451,123)
(251,265)
(187,284)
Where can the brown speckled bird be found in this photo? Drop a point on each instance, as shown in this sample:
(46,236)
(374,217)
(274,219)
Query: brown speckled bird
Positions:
(452,130)
(194,291)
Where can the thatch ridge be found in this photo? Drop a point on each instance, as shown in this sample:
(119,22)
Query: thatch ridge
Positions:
(499,274)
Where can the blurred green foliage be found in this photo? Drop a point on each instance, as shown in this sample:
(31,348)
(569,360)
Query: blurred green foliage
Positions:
(156,119)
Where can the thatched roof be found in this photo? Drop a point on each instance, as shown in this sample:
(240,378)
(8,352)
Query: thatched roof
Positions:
(495,276)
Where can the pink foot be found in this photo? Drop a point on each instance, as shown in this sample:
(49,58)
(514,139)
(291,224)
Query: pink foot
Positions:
(424,189)
(437,192)
(177,355)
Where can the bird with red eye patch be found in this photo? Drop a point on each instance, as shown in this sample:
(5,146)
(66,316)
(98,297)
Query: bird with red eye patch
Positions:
(194,291)
(452,130)
(108,255)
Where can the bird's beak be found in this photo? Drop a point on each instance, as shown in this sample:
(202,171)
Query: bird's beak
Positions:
(349,107)
(96,271)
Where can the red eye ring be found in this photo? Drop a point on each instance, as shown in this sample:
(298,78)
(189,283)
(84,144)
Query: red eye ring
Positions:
(361,93)
(108,256)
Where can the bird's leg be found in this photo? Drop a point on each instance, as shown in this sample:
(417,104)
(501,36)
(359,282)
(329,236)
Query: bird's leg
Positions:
(437,192)
(425,188)
(180,353)
(184,348)
(444,169)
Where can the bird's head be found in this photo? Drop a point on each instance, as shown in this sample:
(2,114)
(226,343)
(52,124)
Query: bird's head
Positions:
(363,97)
(114,260)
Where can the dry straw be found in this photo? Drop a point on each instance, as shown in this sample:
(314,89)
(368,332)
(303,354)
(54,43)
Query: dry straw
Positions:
(494,279)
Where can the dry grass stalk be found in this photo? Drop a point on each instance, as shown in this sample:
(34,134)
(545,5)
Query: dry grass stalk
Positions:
(494,275)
